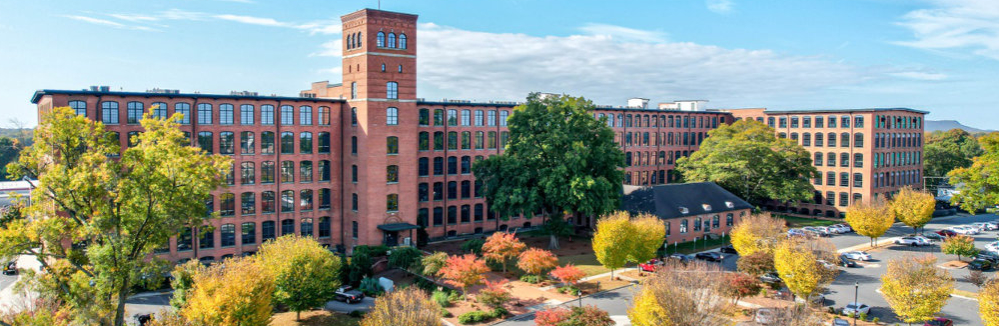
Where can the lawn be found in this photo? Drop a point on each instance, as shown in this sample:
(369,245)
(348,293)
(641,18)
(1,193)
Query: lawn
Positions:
(314,318)
(797,222)
(586,262)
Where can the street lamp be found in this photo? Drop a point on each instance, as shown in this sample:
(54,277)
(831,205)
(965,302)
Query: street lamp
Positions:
(856,310)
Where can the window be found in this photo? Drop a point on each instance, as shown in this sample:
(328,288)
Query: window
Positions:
(225,114)
(305,228)
(466,189)
(267,172)
(287,115)
(353,206)
(228,207)
(204,114)
(324,170)
(324,227)
(80,108)
(831,178)
(248,203)
(267,114)
(305,143)
(266,142)
(858,160)
(287,142)
(858,140)
(818,159)
(392,116)
(478,118)
(424,118)
(858,180)
(423,167)
(683,226)
(438,166)
(392,90)
(438,117)
(392,145)
(353,145)
(832,140)
(109,113)
(858,121)
(248,233)
(228,233)
(205,141)
(844,140)
(452,117)
(491,118)
(305,115)
(380,42)
(287,201)
(819,140)
(466,140)
(794,122)
(226,142)
(844,122)
(402,41)
(844,200)
(287,226)
(452,215)
(452,140)
(247,175)
(504,115)
(267,230)
(400,69)
(392,174)
(438,191)
(479,140)
(466,164)
(246,114)
(844,159)
(134,112)
(184,240)
(353,90)
(832,122)
(844,179)
(305,171)
(392,202)
(391,40)
(806,122)
(305,200)
(491,140)
(287,171)
(207,240)
(806,139)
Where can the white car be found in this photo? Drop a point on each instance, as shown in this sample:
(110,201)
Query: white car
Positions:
(912,241)
(985,226)
(856,308)
(843,228)
(857,255)
(993,247)
(924,240)
(965,230)
(826,264)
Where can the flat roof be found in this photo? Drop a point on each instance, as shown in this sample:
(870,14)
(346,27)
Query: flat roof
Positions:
(39,93)
(813,111)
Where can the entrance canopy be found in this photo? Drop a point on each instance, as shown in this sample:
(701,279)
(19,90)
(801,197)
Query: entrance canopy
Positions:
(396,227)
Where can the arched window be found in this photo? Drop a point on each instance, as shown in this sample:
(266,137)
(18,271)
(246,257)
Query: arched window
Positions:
(391,40)
(392,145)
(287,202)
(380,41)
(305,228)
(80,107)
(392,116)
(503,115)
(392,174)
(353,116)
(134,112)
(392,90)
(246,114)
(358,39)
(287,142)
(844,138)
(350,42)
(353,90)
(287,115)
(267,114)
(818,159)
(305,115)
(858,139)
(228,232)
(305,143)
(204,114)
(267,202)
(305,200)
(832,139)
(402,41)
(228,201)
(392,202)
(424,119)
(247,173)
(159,110)
(466,117)
(248,232)
(226,114)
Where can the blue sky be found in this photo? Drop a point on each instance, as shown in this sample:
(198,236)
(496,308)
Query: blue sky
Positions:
(936,55)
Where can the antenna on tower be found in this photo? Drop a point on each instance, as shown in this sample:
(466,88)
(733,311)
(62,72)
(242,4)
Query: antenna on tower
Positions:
(379,4)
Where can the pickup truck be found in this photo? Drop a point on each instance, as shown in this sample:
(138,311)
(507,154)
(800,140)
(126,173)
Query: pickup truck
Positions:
(347,294)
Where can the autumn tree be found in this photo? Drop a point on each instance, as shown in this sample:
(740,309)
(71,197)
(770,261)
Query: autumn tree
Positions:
(306,275)
(536,261)
(912,207)
(433,263)
(494,295)
(559,160)
(915,288)
(502,247)
(183,281)
(463,271)
(960,245)
(798,315)
(870,219)
(115,212)
(409,306)
(988,303)
(740,285)
(575,316)
(976,188)
(756,264)
(758,232)
(945,151)
(682,295)
(568,274)
(612,240)
(797,267)
(649,232)
(236,292)
(749,160)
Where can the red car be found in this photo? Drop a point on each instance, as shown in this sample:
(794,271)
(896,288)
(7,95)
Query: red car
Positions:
(939,321)
(651,265)
(947,233)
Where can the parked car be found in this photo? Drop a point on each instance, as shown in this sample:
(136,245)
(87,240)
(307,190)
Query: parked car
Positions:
(946,233)
(933,237)
(846,262)
(728,249)
(815,299)
(796,233)
(840,322)
(984,226)
(857,255)
(710,256)
(939,321)
(846,226)
(650,266)
(990,256)
(856,308)
(912,241)
(10,268)
(816,231)
(771,277)
(347,294)
(965,230)
(980,264)
(680,258)
(993,247)
(826,264)
(765,316)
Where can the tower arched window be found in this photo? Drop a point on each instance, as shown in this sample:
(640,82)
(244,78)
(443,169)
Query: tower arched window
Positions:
(392,116)
(392,90)
(391,40)
(357,39)
(381,39)
(353,90)
(402,41)
(350,42)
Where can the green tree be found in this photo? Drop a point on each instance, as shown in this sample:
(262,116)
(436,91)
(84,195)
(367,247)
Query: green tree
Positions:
(407,258)
(747,159)
(10,148)
(945,151)
(977,186)
(915,288)
(960,245)
(559,160)
(114,211)
(306,275)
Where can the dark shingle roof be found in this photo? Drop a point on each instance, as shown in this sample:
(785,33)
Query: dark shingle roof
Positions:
(667,200)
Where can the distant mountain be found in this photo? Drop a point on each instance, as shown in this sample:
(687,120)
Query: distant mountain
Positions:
(944,125)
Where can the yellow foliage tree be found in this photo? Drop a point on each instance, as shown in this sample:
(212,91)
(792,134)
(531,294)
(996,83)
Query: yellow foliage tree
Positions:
(612,240)
(871,219)
(405,307)
(306,275)
(796,264)
(758,232)
(915,289)
(913,207)
(649,232)
(988,303)
(236,292)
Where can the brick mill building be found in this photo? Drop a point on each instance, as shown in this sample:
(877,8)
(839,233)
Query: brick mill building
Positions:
(365,161)
(861,154)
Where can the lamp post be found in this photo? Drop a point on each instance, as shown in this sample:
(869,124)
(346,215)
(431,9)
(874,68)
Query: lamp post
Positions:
(856,310)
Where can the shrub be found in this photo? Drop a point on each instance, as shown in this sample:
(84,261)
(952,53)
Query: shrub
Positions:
(473,246)
(360,266)
(370,287)
(425,285)
(474,317)
(454,296)
(533,279)
(863,316)
(494,295)
(445,313)
(876,320)
(441,298)
(373,251)
(405,258)
(587,316)
(500,312)
(356,313)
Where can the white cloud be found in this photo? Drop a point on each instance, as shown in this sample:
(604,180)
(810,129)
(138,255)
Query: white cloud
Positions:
(456,63)
(105,22)
(720,6)
(322,27)
(623,33)
(332,48)
(135,17)
(956,25)
(920,75)
(144,21)
(252,20)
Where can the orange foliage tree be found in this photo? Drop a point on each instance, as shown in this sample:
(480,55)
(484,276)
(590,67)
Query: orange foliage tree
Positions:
(535,261)
(502,247)
(463,271)
(568,274)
